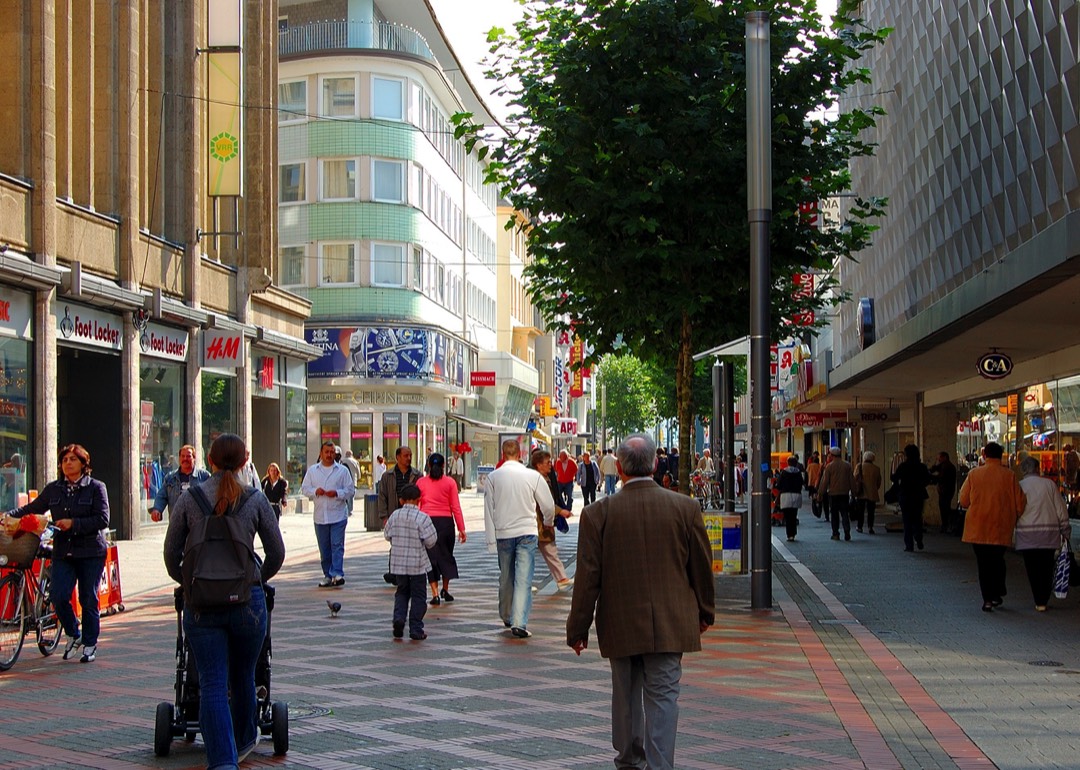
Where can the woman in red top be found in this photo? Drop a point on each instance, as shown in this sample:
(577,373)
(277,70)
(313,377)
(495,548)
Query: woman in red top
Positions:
(439,500)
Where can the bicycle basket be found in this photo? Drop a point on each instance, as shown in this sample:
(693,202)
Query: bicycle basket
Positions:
(20,548)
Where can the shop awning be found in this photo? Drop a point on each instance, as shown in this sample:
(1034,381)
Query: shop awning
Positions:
(486,426)
(537,433)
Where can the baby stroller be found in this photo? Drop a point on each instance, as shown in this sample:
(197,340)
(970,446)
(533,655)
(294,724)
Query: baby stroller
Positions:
(181,718)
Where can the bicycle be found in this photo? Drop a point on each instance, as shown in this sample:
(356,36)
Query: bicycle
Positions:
(25,602)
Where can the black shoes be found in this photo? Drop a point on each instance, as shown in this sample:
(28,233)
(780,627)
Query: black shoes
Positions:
(399,629)
(446,597)
(435,601)
(520,633)
(418,637)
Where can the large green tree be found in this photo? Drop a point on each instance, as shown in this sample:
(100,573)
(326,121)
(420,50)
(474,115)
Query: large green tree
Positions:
(627,149)
(628,393)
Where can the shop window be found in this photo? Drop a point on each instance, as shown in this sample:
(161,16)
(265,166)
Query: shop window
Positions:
(15,421)
(391,438)
(413,436)
(329,429)
(218,408)
(295,437)
(361,440)
(161,415)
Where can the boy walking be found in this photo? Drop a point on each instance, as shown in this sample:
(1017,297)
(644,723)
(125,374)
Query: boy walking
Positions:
(410,533)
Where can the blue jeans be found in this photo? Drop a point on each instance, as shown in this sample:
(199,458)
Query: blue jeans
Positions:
(567,491)
(609,483)
(331,539)
(411,599)
(226,645)
(517,558)
(86,571)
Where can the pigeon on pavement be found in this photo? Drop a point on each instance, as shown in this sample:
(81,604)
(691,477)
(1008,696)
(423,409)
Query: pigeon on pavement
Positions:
(335,608)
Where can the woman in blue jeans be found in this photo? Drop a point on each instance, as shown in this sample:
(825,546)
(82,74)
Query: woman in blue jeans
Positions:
(79,506)
(226,642)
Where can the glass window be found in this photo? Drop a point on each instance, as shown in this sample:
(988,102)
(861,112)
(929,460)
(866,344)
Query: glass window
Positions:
(337,263)
(329,429)
(388,181)
(391,436)
(292,266)
(387,99)
(386,264)
(218,408)
(339,97)
(338,179)
(417,269)
(161,408)
(291,183)
(295,437)
(414,435)
(15,421)
(292,101)
(361,441)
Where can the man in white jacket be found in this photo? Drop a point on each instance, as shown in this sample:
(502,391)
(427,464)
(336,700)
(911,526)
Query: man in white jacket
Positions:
(512,496)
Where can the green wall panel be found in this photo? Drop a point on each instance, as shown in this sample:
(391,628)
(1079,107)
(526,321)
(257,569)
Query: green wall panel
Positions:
(358,304)
(362,220)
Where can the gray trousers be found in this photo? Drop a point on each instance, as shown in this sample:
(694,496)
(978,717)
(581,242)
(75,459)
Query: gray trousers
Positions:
(645,709)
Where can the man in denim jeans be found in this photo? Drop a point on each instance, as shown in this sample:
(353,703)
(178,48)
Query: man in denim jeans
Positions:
(512,496)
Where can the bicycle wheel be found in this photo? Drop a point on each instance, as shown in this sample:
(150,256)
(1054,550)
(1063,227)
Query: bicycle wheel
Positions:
(12,619)
(47,624)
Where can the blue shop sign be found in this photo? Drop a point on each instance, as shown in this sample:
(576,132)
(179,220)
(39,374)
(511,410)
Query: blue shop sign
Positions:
(387,352)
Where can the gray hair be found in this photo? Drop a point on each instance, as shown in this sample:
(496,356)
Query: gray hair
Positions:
(637,455)
(1029,466)
(868,457)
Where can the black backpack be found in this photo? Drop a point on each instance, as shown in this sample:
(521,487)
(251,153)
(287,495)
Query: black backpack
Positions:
(219,565)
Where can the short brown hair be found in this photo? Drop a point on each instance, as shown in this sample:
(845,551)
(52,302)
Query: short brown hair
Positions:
(79,451)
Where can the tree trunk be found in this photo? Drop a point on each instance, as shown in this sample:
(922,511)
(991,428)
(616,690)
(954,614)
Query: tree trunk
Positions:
(684,391)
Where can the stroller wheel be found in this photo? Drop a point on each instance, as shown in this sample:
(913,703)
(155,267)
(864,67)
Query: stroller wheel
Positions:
(163,721)
(279,719)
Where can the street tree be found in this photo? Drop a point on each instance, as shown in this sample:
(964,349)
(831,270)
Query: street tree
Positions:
(627,148)
(628,389)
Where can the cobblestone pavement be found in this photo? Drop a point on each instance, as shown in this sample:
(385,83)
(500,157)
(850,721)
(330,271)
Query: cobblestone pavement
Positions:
(875,659)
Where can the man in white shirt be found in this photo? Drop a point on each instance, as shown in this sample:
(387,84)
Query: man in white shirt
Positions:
(610,472)
(511,498)
(329,484)
(457,470)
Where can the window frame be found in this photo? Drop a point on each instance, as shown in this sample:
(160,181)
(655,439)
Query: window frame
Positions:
(402,181)
(303,263)
(322,282)
(356,95)
(295,119)
(302,165)
(402,275)
(322,178)
(403,83)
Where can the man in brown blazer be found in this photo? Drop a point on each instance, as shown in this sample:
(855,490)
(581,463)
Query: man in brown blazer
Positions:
(645,567)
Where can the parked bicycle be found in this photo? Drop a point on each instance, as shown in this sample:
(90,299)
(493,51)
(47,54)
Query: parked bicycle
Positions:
(24,598)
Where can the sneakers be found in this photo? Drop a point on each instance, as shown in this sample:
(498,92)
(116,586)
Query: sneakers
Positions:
(566,585)
(520,633)
(89,653)
(399,629)
(73,645)
(243,754)
(331,582)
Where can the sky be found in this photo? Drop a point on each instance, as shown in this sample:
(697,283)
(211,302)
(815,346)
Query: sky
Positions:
(467,23)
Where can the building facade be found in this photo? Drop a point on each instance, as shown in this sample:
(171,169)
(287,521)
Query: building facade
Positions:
(388,227)
(126,324)
(959,314)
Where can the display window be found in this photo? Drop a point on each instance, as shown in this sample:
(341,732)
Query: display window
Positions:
(162,385)
(218,408)
(15,422)
(391,438)
(295,437)
(361,436)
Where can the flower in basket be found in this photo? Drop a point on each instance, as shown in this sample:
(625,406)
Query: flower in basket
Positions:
(31,522)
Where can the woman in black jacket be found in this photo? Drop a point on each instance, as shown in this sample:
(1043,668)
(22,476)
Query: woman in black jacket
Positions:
(79,506)
(912,478)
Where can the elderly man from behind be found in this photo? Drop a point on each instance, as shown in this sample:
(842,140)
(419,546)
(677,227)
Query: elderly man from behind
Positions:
(994,501)
(177,482)
(645,569)
(835,484)
(512,496)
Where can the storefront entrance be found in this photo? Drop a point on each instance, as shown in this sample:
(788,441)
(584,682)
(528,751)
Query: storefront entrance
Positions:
(88,411)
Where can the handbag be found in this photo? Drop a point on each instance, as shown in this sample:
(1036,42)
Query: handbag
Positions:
(892,494)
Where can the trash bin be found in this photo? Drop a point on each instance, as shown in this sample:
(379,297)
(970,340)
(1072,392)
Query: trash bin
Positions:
(371,513)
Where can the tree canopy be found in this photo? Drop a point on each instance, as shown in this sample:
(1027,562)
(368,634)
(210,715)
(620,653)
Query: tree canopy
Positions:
(629,394)
(627,149)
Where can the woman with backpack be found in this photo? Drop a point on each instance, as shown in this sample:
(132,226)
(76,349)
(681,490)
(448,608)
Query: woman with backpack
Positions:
(224,631)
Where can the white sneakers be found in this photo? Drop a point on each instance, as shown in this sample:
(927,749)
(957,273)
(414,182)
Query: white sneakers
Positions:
(73,646)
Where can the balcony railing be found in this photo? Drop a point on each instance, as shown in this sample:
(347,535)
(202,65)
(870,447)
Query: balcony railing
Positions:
(352,35)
